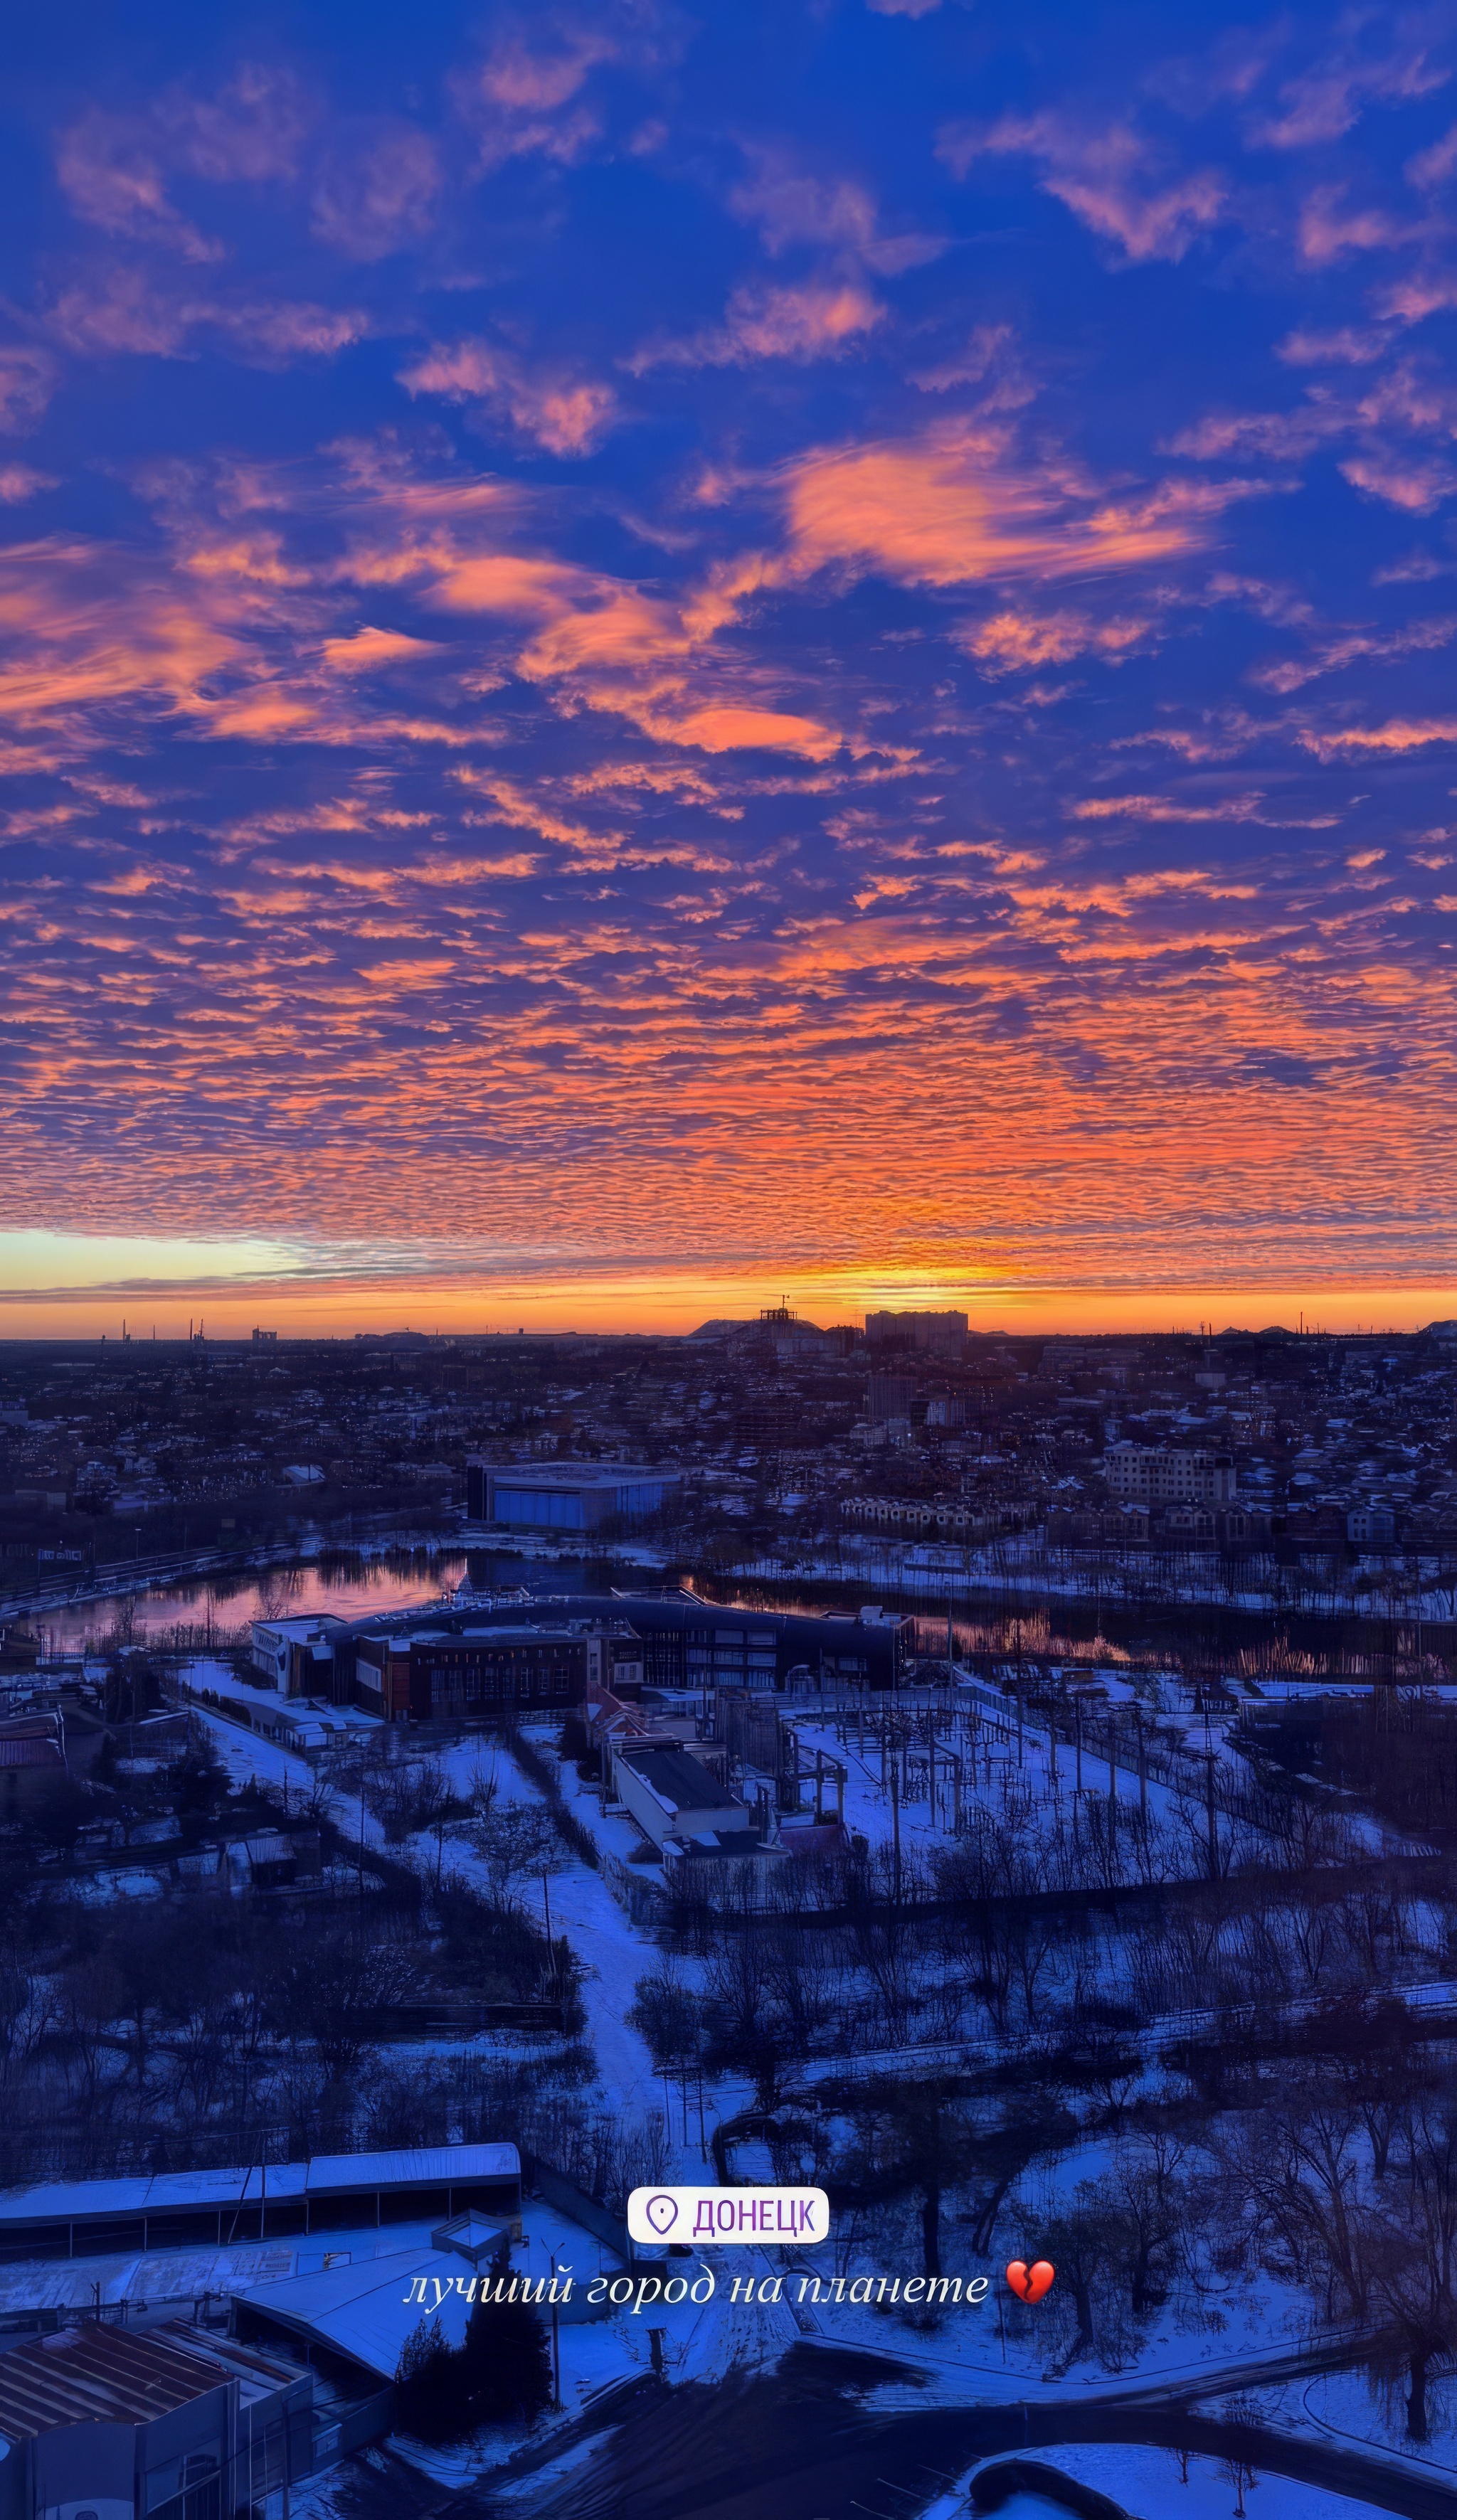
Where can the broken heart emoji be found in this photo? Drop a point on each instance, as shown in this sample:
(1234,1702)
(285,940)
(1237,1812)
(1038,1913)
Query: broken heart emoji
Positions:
(1029,2283)
(662,2213)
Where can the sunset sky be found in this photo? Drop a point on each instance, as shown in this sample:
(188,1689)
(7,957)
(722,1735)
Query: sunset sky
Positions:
(656,656)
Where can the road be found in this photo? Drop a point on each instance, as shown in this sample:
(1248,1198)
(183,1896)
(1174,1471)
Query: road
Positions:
(808,2442)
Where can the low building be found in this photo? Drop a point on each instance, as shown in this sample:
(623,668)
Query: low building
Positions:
(572,1496)
(100,2423)
(32,1755)
(219,2208)
(954,1519)
(671,1795)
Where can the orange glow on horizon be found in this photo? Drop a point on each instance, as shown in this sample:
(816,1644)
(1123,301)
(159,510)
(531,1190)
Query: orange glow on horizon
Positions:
(669,1305)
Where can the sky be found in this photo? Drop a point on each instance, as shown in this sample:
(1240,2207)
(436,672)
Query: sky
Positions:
(657,657)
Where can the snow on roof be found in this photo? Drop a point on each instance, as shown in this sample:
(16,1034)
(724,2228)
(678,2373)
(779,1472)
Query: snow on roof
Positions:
(177,2190)
(366,2310)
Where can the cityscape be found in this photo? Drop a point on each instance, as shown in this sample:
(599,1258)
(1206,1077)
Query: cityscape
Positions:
(728,1261)
(1001,1787)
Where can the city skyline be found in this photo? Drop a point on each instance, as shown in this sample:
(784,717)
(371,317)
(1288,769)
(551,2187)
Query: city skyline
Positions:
(650,660)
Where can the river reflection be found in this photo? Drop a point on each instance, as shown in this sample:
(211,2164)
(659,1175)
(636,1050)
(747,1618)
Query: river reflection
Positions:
(357,1589)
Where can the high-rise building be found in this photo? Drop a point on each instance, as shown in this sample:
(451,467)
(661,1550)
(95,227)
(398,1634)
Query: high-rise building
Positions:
(943,1333)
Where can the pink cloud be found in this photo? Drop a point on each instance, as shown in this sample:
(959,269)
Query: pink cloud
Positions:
(788,205)
(1401,480)
(267,334)
(1105,177)
(1328,231)
(1169,809)
(118,309)
(1332,655)
(991,359)
(523,99)
(1325,102)
(1420,294)
(1350,347)
(370,202)
(1284,436)
(567,414)
(815,321)
(20,481)
(250,132)
(27,380)
(1433,167)
(113,178)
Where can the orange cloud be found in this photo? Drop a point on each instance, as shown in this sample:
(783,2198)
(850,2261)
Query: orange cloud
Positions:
(725,728)
(368,649)
(950,505)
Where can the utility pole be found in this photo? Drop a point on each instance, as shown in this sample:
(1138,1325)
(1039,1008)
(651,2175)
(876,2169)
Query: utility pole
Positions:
(895,1830)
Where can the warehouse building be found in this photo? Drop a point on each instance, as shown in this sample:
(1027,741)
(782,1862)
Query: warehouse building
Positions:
(98,2423)
(573,1496)
(216,2208)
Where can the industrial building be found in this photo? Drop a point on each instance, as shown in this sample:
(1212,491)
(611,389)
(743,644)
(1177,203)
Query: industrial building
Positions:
(671,1794)
(100,2422)
(572,1496)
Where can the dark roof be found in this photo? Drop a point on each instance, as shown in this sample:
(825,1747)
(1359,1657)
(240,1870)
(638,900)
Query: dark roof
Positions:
(678,1612)
(96,2374)
(684,1784)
